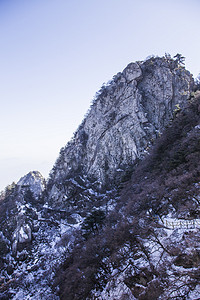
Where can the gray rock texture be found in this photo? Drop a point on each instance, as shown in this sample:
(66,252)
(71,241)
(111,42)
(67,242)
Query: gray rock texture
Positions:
(22,234)
(17,213)
(34,181)
(126,116)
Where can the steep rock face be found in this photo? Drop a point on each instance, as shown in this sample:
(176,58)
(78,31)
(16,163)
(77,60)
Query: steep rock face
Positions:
(149,247)
(30,233)
(125,117)
(17,213)
(34,181)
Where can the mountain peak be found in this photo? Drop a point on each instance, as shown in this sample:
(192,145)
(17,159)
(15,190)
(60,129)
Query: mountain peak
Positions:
(127,114)
(35,181)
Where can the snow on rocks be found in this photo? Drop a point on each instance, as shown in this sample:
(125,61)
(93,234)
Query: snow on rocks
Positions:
(34,181)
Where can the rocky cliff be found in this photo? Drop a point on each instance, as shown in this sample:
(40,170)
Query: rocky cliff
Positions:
(149,246)
(124,119)
(41,223)
(34,181)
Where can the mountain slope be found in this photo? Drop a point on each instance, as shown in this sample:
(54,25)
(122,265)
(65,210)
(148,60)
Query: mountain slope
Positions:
(128,113)
(41,224)
(150,245)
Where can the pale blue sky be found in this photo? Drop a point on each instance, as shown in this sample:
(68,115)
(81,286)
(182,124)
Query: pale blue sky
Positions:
(54,56)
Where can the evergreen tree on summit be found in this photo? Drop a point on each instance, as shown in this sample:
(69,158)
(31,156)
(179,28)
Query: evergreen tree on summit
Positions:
(179,59)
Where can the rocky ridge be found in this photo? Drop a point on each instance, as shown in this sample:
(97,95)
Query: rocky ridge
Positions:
(149,246)
(39,222)
(124,119)
(34,181)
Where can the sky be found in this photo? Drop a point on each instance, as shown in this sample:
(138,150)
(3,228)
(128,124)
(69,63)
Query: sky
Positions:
(56,54)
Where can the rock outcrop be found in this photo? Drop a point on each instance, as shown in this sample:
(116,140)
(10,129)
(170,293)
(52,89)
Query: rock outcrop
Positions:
(148,247)
(126,116)
(34,181)
(17,210)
